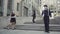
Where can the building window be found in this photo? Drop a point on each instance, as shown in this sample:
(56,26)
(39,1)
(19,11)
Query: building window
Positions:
(25,11)
(1,4)
(9,7)
(37,1)
(17,6)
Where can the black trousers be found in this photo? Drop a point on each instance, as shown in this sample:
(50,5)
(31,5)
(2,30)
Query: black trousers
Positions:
(46,22)
(33,19)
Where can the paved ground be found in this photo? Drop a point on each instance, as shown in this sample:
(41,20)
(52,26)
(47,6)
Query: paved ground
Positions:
(25,32)
(37,27)
(34,28)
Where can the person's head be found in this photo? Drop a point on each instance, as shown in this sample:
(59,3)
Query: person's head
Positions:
(12,14)
(45,7)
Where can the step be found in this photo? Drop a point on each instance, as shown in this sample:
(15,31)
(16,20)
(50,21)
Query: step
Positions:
(37,27)
(25,32)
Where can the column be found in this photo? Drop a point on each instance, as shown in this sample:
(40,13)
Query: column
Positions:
(31,2)
(29,8)
(20,8)
(14,6)
(5,7)
(23,8)
(56,7)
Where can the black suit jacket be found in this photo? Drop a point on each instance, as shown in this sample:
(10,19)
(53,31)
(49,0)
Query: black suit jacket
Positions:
(46,12)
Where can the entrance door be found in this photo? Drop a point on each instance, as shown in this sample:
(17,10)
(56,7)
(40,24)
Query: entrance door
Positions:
(25,11)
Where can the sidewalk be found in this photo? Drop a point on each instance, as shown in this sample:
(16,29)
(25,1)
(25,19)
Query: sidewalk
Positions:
(25,32)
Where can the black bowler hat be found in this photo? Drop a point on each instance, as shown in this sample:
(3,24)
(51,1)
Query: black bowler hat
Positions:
(45,6)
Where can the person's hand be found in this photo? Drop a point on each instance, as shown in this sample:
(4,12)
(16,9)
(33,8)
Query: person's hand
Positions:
(50,16)
(32,15)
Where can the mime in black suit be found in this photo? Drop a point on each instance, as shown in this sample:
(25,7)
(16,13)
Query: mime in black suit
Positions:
(46,12)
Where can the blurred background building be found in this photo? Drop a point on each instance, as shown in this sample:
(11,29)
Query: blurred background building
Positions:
(20,7)
(25,7)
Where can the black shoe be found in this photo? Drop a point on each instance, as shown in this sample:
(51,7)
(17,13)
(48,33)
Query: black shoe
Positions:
(33,22)
(47,31)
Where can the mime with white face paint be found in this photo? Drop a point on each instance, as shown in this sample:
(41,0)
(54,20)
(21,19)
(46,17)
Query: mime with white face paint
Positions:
(46,12)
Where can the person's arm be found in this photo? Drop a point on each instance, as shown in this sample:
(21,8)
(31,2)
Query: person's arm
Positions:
(9,18)
(42,12)
(50,13)
(15,16)
(32,13)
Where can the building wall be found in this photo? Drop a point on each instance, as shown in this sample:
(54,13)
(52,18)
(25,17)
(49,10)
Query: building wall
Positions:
(4,7)
(22,3)
(14,7)
(58,7)
(28,3)
(49,3)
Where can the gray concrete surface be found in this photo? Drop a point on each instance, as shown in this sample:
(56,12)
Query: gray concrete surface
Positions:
(36,27)
(4,21)
(30,28)
(56,20)
(25,32)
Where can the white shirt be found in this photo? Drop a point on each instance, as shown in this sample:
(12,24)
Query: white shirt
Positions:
(12,17)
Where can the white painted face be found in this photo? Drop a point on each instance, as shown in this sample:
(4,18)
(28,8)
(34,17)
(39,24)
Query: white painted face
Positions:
(45,8)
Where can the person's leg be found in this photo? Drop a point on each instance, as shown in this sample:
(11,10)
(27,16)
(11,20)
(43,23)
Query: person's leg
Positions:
(46,25)
(13,25)
(33,20)
(9,26)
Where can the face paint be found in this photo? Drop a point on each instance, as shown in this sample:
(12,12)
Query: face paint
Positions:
(45,8)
